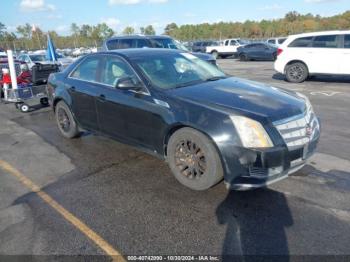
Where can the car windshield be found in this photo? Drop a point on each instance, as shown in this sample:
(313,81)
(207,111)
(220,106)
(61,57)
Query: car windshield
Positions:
(38,58)
(177,70)
(168,43)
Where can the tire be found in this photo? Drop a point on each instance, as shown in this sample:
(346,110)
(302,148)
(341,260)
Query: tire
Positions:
(65,121)
(194,160)
(24,108)
(296,72)
(243,57)
(215,54)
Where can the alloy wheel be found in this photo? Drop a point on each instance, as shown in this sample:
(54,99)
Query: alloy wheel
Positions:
(63,120)
(190,159)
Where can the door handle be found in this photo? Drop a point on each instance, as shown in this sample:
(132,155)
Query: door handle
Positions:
(102,98)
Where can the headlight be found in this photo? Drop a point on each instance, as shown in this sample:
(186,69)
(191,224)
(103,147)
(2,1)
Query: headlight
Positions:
(251,132)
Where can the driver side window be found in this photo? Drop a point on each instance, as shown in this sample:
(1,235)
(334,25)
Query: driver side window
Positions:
(114,69)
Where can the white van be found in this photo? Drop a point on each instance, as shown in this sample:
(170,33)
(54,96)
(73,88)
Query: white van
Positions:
(314,53)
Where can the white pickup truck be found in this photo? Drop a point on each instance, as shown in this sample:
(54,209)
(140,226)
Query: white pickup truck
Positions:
(228,48)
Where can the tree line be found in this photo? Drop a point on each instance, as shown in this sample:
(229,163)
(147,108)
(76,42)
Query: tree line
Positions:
(292,23)
(25,38)
(28,37)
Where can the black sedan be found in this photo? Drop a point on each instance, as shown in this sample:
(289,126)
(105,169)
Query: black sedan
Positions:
(206,125)
(257,51)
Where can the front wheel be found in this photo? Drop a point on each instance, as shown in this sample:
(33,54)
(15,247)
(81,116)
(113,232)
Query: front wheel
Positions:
(194,160)
(65,121)
(296,72)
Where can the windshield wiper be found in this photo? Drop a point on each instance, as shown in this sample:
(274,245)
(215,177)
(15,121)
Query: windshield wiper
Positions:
(189,83)
(215,78)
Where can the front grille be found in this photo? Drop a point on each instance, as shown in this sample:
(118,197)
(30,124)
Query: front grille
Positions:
(300,130)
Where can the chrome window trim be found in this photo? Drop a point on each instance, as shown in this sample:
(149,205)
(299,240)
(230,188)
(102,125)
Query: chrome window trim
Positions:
(103,84)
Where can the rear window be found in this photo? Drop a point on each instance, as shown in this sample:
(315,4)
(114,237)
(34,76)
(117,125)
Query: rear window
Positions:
(302,42)
(347,41)
(325,41)
(281,40)
(112,44)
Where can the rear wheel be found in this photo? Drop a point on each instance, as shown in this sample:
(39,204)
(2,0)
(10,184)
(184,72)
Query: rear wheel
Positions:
(194,160)
(296,72)
(65,121)
(243,57)
(215,54)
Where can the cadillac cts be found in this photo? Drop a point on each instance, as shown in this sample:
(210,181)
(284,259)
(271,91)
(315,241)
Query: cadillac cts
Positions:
(206,125)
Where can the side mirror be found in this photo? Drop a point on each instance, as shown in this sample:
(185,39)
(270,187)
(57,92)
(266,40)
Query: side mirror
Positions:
(128,83)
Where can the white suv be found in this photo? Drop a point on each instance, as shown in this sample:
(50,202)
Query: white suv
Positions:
(314,53)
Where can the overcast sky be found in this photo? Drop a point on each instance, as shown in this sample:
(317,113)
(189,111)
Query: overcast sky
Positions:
(58,15)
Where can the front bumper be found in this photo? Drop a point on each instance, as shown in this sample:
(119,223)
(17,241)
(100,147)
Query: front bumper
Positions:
(265,167)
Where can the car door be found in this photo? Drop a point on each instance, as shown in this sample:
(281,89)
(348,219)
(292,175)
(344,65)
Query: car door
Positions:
(126,114)
(344,62)
(83,89)
(325,54)
(258,52)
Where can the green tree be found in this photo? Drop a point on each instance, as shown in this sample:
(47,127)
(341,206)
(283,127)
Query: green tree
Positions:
(25,31)
(2,29)
(170,29)
(129,30)
(149,30)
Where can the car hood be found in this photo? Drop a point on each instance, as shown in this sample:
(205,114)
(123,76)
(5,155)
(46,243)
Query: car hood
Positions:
(239,95)
(203,56)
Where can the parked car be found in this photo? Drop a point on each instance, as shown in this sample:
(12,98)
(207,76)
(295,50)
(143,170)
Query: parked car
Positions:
(276,41)
(257,51)
(201,46)
(33,59)
(228,48)
(309,54)
(39,58)
(206,125)
(142,41)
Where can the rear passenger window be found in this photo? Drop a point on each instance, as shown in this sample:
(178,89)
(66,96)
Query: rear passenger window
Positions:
(282,40)
(87,70)
(325,41)
(125,43)
(112,44)
(347,41)
(272,41)
(302,42)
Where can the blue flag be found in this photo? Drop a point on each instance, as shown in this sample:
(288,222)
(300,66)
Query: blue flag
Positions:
(50,52)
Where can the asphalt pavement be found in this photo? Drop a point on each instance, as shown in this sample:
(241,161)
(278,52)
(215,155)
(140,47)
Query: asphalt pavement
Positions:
(133,203)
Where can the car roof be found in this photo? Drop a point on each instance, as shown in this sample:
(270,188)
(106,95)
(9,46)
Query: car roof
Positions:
(135,52)
(139,37)
(337,32)
(158,36)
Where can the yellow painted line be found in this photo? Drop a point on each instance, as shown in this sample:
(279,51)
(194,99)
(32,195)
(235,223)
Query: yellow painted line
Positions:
(81,226)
